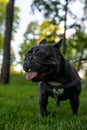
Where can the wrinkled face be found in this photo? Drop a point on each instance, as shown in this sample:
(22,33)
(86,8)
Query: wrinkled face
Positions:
(41,62)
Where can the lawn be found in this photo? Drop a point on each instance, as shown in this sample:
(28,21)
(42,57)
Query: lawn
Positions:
(19,109)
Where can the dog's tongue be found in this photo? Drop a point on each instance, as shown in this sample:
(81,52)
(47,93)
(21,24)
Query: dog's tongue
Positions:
(31,75)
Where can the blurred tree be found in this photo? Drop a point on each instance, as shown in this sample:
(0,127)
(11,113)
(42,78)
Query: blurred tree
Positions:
(62,12)
(4,78)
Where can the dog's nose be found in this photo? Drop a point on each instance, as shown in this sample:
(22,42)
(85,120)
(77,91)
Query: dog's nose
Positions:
(25,68)
(26,65)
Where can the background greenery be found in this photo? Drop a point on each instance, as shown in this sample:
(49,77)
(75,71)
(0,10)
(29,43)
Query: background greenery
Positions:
(19,109)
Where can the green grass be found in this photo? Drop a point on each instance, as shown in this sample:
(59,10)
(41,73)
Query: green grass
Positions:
(19,109)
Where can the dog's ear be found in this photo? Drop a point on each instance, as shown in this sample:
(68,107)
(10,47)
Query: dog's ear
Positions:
(43,41)
(58,44)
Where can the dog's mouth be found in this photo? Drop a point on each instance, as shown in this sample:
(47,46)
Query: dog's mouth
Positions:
(32,75)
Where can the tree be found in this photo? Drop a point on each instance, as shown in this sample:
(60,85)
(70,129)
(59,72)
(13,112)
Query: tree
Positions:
(4,78)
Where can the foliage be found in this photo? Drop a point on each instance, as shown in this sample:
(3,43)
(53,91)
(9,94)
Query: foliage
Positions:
(75,44)
(1,41)
(51,9)
(19,109)
(3,5)
(50,30)
(61,11)
(56,10)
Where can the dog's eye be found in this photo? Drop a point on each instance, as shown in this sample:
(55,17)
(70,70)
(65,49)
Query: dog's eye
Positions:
(39,54)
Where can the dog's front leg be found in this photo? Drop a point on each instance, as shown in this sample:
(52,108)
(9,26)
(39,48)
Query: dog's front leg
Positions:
(43,101)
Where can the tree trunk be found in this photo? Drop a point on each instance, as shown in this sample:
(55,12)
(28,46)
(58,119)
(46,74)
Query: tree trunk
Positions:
(5,71)
(65,20)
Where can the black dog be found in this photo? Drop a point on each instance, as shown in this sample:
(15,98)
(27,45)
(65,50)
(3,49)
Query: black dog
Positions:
(58,78)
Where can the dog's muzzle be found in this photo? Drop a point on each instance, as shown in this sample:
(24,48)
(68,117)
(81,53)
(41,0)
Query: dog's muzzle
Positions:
(25,66)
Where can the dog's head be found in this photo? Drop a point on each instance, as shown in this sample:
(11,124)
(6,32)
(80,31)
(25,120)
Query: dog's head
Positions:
(42,61)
